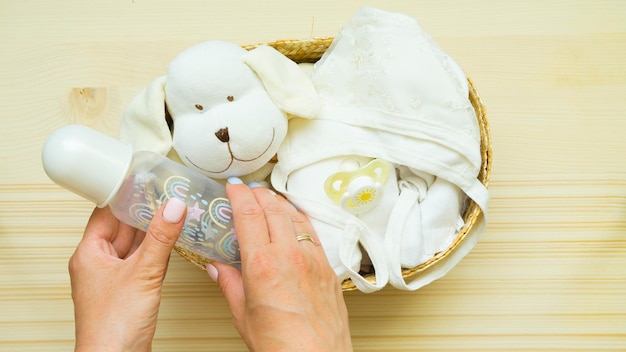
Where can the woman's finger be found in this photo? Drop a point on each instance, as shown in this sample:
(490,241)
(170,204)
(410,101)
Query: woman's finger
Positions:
(248,216)
(278,220)
(300,222)
(231,283)
(102,225)
(126,240)
(164,230)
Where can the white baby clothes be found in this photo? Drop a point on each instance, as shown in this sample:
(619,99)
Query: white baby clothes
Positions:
(388,93)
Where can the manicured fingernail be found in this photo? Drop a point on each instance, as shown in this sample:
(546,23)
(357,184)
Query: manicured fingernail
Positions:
(212,271)
(260,185)
(174,210)
(235,181)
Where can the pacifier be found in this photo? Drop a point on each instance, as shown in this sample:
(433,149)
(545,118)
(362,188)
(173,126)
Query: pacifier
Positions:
(358,189)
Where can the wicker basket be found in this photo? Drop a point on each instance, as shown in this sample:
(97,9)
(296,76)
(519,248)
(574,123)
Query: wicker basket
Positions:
(312,50)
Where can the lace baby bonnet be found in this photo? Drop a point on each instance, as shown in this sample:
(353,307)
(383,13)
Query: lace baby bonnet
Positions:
(388,93)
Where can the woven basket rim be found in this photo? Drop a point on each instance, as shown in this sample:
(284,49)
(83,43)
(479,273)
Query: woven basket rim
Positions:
(310,50)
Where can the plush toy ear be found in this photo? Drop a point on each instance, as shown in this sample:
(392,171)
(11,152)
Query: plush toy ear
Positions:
(144,124)
(287,84)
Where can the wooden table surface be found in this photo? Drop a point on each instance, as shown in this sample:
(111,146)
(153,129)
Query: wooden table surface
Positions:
(550,271)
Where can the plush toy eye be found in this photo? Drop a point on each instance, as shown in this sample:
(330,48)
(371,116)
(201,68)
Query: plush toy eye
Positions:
(230,98)
(199,107)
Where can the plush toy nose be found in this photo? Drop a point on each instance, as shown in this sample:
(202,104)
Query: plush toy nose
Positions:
(222,135)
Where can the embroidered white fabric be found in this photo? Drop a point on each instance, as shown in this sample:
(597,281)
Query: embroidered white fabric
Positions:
(388,92)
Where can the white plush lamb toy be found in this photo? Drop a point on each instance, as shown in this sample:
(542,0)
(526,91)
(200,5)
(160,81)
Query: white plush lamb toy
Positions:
(221,109)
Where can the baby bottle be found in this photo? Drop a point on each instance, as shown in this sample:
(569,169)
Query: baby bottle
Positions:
(134,185)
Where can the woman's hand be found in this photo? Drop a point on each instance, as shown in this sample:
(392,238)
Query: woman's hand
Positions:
(286,297)
(117,272)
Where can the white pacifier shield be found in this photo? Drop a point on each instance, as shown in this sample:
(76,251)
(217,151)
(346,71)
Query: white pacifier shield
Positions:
(363,194)
(358,190)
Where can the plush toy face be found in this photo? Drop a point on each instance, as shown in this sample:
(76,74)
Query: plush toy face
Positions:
(225,123)
(229,108)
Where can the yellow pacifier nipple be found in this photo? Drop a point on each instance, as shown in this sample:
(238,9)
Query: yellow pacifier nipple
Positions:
(358,189)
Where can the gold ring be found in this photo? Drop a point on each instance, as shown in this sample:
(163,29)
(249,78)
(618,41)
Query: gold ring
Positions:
(304,237)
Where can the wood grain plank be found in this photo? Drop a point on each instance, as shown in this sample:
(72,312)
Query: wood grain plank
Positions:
(549,274)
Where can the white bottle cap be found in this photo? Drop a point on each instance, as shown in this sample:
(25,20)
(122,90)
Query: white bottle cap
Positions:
(86,162)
